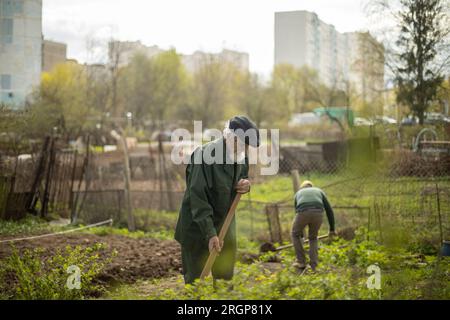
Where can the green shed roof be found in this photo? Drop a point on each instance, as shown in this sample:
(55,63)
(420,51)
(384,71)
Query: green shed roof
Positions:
(340,113)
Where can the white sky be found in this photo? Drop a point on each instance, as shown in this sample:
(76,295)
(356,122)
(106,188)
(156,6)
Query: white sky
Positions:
(187,25)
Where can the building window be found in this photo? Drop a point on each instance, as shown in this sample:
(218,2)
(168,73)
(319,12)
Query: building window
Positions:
(6,97)
(6,30)
(18,7)
(5,82)
(9,8)
(6,8)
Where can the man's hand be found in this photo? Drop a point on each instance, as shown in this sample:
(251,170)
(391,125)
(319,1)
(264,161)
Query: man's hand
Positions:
(214,244)
(243,186)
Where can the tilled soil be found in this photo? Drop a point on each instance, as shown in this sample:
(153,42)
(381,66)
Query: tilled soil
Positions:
(142,258)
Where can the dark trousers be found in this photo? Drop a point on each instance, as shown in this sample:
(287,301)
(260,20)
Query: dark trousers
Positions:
(313,219)
(194,256)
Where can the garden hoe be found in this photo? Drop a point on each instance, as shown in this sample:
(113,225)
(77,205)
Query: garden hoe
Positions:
(269,247)
(226,225)
(347,233)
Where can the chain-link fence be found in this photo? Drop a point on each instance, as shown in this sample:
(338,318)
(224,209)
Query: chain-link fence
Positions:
(366,187)
(376,197)
(155,183)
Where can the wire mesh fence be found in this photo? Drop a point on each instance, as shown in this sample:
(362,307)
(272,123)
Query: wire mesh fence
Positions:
(100,205)
(377,190)
(411,205)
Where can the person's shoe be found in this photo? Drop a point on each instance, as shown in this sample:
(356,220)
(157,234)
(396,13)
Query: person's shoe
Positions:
(299,267)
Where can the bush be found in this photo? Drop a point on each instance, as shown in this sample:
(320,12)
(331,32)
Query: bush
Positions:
(34,276)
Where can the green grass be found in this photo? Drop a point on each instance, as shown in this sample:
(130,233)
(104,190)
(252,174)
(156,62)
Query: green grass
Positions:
(272,190)
(105,231)
(28,225)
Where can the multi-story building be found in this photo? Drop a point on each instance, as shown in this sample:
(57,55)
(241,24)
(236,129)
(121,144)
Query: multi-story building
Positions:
(194,62)
(121,53)
(53,53)
(20,49)
(302,39)
(366,73)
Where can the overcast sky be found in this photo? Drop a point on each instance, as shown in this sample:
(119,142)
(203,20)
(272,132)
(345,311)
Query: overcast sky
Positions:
(187,25)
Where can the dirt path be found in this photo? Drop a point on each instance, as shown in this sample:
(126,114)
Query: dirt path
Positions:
(142,258)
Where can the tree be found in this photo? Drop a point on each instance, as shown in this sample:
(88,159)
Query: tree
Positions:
(210,91)
(299,90)
(367,88)
(422,33)
(254,99)
(134,88)
(61,102)
(14,126)
(98,88)
(289,88)
(170,84)
(443,97)
(319,94)
(116,54)
(153,88)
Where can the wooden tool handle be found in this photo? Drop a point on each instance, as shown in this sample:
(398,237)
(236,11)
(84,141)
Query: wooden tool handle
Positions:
(226,225)
(304,242)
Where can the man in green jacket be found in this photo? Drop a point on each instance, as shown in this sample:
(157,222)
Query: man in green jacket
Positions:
(210,189)
(310,203)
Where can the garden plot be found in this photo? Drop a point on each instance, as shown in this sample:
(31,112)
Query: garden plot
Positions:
(135,259)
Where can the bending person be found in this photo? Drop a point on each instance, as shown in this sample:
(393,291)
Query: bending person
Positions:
(310,203)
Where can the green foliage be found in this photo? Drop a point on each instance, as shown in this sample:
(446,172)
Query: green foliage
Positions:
(151,220)
(28,225)
(255,99)
(423,32)
(162,234)
(14,126)
(212,91)
(246,245)
(298,90)
(32,275)
(106,231)
(427,280)
(149,224)
(61,102)
(341,275)
(152,88)
(272,190)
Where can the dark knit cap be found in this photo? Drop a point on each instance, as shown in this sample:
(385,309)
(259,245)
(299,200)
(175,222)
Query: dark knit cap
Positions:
(246,130)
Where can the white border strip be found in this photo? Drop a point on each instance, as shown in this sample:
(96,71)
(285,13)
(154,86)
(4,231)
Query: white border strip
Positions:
(58,233)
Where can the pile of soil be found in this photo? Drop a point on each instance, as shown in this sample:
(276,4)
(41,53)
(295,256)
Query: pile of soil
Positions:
(142,258)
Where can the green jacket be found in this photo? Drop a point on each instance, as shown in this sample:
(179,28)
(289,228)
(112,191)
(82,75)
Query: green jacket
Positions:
(208,196)
(314,198)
